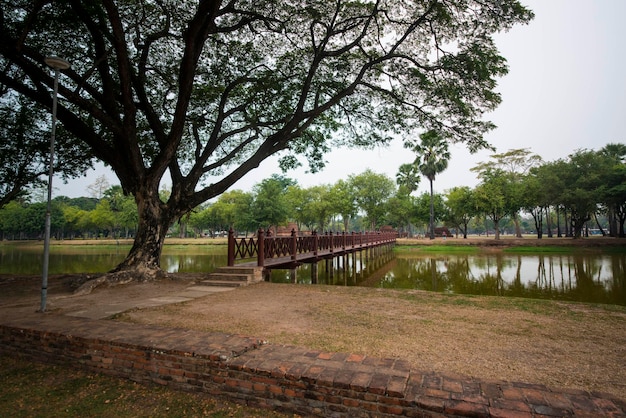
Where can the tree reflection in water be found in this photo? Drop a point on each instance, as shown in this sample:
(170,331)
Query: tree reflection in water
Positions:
(583,277)
(592,278)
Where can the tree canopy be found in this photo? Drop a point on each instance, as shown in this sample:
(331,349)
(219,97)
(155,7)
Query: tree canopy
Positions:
(25,149)
(207,90)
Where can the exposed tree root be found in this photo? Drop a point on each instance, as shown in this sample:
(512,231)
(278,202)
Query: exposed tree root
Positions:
(121,277)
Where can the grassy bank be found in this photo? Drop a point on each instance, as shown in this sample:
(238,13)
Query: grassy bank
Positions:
(36,390)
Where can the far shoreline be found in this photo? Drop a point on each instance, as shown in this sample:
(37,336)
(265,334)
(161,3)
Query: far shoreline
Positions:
(505,241)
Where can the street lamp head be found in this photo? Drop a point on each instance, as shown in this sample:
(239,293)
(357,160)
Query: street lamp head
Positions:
(57,63)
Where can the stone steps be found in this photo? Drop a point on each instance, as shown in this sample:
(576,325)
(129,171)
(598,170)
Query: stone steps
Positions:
(233,276)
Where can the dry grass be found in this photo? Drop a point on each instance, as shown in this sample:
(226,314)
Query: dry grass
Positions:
(558,344)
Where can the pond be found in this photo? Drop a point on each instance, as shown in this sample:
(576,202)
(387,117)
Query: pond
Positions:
(584,277)
(72,259)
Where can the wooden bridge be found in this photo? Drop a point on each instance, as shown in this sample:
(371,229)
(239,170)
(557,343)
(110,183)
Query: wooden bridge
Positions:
(288,252)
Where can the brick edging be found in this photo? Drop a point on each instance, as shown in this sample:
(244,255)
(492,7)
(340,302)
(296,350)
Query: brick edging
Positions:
(283,378)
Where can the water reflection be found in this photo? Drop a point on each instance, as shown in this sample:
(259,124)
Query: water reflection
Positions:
(573,277)
(99,259)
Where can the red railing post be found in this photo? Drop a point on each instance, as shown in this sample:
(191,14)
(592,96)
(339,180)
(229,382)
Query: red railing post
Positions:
(294,246)
(260,257)
(343,240)
(331,242)
(315,243)
(231,247)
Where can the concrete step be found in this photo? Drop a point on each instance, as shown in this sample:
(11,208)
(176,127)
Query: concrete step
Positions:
(255,274)
(238,270)
(222,283)
(234,277)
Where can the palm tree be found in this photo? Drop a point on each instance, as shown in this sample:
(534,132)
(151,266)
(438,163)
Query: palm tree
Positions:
(407,178)
(432,158)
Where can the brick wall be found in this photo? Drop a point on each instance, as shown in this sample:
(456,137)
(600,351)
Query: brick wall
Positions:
(304,384)
(283,378)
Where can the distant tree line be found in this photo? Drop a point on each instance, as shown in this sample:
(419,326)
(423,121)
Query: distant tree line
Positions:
(518,193)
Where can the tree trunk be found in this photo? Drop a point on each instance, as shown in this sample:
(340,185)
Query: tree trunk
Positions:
(549,221)
(612,218)
(538,216)
(621,220)
(496,227)
(602,231)
(143,260)
(577,223)
(518,230)
(432,212)
(145,255)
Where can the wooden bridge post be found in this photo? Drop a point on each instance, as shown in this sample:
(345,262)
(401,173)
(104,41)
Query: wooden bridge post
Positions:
(231,247)
(332,242)
(314,273)
(260,257)
(294,245)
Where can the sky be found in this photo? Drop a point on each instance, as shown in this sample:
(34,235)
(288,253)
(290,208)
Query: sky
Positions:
(565,90)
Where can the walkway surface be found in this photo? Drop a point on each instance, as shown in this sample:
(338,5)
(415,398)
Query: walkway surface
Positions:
(443,395)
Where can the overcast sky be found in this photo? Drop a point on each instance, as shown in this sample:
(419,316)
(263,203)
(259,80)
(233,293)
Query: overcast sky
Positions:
(566,90)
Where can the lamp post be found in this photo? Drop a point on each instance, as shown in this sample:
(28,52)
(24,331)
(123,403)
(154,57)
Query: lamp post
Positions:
(57,64)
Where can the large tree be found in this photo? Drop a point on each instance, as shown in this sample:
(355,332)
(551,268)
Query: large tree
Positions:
(585,178)
(517,163)
(371,193)
(206,90)
(497,196)
(270,206)
(615,187)
(342,196)
(461,205)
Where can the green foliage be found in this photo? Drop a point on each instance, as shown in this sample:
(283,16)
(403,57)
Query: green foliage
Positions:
(407,178)
(319,207)
(270,206)
(432,154)
(343,198)
(208,91)
(372,191)
(70,218)
(401,210)
(462,207)
(25,148)
(432,158)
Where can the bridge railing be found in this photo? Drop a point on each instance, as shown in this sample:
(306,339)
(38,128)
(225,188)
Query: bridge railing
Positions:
(263,247)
